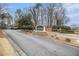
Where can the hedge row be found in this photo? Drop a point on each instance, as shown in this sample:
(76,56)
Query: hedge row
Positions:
(62,29)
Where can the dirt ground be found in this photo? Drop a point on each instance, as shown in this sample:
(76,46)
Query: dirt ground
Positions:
(64,39)
(5,47)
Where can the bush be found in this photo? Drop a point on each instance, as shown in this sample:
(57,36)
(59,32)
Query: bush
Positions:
(28,27)
(67,40)
(62,29)
(3,26)
(24,22)
(67,31)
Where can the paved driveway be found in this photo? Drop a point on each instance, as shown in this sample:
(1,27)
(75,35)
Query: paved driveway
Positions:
(37,46)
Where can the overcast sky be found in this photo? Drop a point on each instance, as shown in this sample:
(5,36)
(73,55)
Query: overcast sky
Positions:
(72,11)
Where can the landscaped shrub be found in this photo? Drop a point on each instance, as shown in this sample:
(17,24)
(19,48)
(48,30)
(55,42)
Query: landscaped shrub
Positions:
(67,40)
(3,26)
(26,27)
(67,31)
(62,29)
(24,22)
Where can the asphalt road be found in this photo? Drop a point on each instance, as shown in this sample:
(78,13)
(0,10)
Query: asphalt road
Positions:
(38,46)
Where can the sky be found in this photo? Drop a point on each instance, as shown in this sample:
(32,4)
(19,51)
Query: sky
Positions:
(72,10)
(73,13)
(13,6)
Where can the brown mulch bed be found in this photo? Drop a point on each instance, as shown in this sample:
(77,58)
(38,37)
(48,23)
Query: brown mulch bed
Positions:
(5,47)
(64,40)
(1,34)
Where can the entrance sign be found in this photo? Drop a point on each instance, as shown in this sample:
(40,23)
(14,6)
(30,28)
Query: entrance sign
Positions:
(40,28)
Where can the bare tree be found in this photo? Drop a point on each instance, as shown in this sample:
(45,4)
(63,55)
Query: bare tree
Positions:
(2,15)
(18,15)
(60,16)
(35,11)
(51,8)
(56,14)
(9,19)
(53,13)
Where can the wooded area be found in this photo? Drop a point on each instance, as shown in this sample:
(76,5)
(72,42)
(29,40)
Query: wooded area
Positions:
(47,14)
